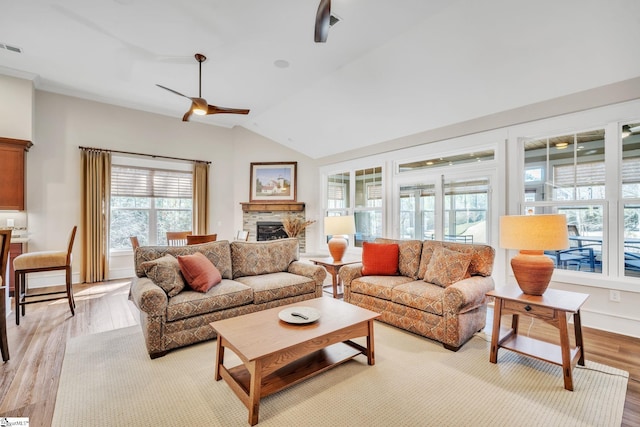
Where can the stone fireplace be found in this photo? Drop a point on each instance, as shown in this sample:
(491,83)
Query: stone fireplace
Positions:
(268,216)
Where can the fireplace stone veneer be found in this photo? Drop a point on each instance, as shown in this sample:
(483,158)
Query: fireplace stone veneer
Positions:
(250,220)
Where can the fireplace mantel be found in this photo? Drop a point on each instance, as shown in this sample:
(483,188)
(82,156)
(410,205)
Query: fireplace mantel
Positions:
(272,207)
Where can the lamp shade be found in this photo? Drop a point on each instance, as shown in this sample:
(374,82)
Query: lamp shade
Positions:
(339,225)
(534,232)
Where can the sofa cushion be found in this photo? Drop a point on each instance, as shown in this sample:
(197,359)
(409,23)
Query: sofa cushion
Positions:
(409,257)
(427,251)
(420,295)
(379,259)
(199,272)
(255,258)
(447,267)
(276,286)
(218,252)
(378,286)
(165,272)
(227,294)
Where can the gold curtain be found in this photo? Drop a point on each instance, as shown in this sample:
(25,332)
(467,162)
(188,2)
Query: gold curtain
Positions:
(96,193)
(200,198)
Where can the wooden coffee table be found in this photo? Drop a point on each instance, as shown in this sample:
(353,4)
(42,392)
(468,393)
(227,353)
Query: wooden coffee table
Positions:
(276,354)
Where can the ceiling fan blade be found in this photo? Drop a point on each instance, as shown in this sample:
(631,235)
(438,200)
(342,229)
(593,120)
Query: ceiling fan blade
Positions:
(322,21)
(186,116)
(171,90)
(223,110)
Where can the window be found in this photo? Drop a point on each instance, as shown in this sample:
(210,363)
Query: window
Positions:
(146,203)
(459,159)
(417,211)
(362,189)
(368,204)
(466,204)
(574,167)
(630,193)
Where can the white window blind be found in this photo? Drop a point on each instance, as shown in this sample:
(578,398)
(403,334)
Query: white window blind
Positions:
(584,174)
(631,170)
(131,181)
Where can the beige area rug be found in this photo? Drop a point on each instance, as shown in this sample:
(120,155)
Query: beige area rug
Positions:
(108,380)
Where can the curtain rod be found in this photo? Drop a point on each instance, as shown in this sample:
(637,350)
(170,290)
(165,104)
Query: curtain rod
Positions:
(155,156)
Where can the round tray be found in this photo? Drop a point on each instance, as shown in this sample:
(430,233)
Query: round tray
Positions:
(286,315)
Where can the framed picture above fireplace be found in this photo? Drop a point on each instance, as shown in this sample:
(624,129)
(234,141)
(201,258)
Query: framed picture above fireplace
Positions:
(273,182)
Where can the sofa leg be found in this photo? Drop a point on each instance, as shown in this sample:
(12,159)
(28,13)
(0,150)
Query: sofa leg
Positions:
(156,355)
(450,347)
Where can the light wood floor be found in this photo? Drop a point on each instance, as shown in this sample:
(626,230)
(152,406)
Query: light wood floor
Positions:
(30,378)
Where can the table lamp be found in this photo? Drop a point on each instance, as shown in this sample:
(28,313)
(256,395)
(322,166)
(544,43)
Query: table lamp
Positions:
(532,235)
(337,227)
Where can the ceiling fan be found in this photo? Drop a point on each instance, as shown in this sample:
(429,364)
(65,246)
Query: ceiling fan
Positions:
(323,18)
(199,105)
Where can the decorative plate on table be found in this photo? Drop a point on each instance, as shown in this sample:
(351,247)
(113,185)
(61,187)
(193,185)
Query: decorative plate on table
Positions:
(300,315)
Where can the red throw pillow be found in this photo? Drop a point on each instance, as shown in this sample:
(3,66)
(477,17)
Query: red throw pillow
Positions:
(199,272)
(380,259)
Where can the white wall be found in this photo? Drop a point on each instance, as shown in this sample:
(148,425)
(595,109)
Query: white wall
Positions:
(251,147)
(16,108)
(63,123)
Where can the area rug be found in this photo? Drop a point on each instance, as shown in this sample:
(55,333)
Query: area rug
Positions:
(108,379)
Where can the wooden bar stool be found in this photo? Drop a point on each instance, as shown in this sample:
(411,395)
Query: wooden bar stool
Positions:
(33,262)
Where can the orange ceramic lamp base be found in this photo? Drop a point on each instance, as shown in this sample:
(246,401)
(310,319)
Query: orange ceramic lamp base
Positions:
(337,247)
(533,270)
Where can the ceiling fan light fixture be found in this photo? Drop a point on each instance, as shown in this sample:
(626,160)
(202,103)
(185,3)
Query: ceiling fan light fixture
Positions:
(200,106)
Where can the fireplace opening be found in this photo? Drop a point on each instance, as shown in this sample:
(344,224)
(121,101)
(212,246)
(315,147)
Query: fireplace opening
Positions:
(270,230)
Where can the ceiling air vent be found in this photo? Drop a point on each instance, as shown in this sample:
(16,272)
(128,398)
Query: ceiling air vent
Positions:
(10,48)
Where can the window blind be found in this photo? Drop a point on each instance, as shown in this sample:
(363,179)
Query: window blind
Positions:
(128,181)
(584,174)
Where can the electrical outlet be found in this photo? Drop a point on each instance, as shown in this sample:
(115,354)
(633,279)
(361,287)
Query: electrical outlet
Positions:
(10,222)
(614,295)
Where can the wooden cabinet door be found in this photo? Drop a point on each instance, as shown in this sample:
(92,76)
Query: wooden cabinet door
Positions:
(12,163)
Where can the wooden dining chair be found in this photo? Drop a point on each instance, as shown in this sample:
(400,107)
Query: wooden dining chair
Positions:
(5,243)
(196,239)
(32,262)
(177,238)
(135,243)
(242,235)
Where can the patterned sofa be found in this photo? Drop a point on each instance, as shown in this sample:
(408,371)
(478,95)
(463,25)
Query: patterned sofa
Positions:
(255,276)
(450,310)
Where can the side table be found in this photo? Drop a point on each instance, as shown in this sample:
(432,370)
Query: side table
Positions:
(551,307)
(332,268)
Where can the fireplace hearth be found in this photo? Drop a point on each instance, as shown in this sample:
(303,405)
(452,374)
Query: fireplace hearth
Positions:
(270,230)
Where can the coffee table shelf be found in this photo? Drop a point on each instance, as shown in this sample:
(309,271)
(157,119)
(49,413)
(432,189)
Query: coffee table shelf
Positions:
(295,372)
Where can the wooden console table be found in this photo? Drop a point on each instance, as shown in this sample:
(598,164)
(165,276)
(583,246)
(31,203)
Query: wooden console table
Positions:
(552,307)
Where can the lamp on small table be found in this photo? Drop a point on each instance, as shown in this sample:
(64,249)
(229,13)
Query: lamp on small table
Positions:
(338,227)
(532,235)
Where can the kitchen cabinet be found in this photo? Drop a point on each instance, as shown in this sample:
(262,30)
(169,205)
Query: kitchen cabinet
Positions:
(12,178)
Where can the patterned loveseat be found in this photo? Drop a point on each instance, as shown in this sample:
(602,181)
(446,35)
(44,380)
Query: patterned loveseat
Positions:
(450,310)
(255,276)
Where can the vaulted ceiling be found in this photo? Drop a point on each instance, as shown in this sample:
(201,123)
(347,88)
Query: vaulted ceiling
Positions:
(388,69)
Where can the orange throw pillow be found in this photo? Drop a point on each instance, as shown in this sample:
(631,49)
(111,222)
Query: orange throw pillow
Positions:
(199,272)
(380,259)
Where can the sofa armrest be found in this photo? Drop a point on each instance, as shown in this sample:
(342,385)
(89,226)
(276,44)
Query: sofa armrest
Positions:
(148,296)
(315,272)
(350,272)
(467,294)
